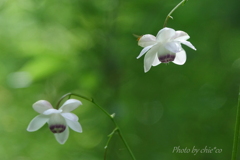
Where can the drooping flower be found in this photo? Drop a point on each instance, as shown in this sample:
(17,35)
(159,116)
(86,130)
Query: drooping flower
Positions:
(58,119)
(164,48)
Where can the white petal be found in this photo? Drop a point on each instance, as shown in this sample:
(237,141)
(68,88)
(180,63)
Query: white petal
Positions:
(62,137)
(163,51)
(165,34)
(180,35)
(56,119)
(150,57)
(37,123)
(156,61)
(147,40)
(144,50)
(41,106)
(189,44)
(70,116)
(70,105)
(51,111)
(180,58)
(74,125)
(173,46)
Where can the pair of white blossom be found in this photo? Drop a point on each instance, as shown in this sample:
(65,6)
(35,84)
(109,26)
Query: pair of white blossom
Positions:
(58,119)
(164,48)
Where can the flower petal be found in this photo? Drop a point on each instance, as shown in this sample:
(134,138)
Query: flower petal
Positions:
(161,51)
(189,44)
(180,58)
(37,122)
(156,61)
(56,119)
(74,125)
(70,105)
(51,111)
(173,46)
(70,116)
(150,57)
(62,137)
(180,35)
(147,40)
(144,50)
(41,106)
(165,34)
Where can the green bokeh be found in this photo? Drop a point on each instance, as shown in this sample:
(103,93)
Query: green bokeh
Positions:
(50,47)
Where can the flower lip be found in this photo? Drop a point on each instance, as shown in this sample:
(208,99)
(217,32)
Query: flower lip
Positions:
(167,58)
(57,128)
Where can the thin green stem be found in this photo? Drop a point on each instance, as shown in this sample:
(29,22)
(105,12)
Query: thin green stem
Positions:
(70,94)
(118,129)
(236,133)
(125,143)
(107,114)
(170,13)
(108,141)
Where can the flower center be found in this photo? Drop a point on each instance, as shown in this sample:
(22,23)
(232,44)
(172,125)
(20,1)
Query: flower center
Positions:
(57,128)
(166,58)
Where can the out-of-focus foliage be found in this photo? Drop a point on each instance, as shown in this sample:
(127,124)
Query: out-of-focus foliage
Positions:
(51,47)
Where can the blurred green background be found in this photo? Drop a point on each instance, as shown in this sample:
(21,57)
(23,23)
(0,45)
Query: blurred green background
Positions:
(51,47)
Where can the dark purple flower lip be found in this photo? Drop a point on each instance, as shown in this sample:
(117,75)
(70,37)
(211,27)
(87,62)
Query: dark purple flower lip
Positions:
(167,58)
(57,128)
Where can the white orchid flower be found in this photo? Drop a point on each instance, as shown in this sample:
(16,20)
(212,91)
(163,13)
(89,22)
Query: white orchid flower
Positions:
(164,48)
(58,119)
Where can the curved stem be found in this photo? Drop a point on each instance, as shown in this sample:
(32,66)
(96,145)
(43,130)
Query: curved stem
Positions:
(71,94)
(117,129)
(236,133)
(169,14)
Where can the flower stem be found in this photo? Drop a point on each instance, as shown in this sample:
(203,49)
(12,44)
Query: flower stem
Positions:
(108,141)
(116,129)
(236,133)
(169,14)
(70,94)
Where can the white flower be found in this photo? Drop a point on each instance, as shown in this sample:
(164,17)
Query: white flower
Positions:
(58,119)
(164,48)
